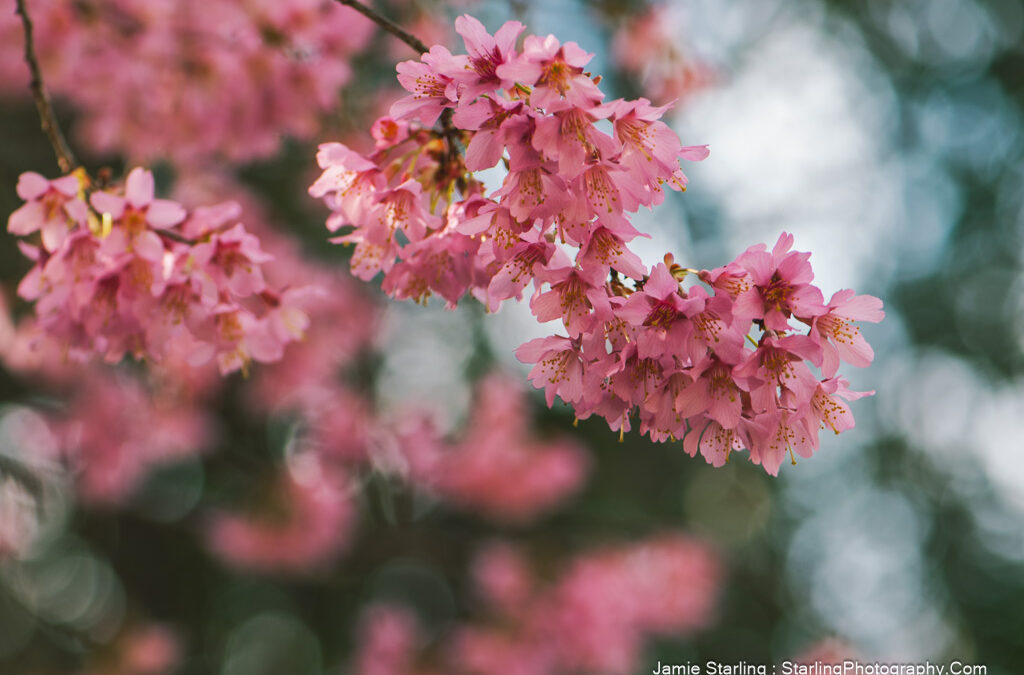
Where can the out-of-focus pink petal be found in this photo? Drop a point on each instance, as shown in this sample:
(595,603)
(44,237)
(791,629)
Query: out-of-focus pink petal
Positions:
(139,187)
(31,185)
(163,213)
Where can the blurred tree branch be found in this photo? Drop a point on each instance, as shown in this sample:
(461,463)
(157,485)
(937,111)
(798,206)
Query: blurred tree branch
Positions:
(47,119)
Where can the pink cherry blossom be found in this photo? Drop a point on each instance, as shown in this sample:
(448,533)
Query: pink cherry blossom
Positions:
(781,283)
(559,368)
(486,53)
(838,337)
(52,207)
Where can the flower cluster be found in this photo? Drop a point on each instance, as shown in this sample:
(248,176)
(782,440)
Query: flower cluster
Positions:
(638,345)
(194,79)
(120,272)
(677,360)
(421,217)
(594,617)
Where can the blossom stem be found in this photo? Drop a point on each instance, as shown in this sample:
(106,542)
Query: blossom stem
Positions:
(48,121)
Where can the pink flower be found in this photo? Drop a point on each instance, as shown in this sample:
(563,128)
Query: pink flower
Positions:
(349,183)
(554,71)
(195,82)
(486,54)
(232,260)
(432,89)
(649,147)
(782,287)
(559,369)
(711,327)
(388,132)
(639,350)
(150,650)
(607,249)
(779,434)
(779,364)
(531,253)
(134,282)
(137,207)
(570,137)
(531,194)
(827,408)
(651,50)
(661,308)
(715,442)
(838,337)
(504,578)
(141,649)
(52,207)
(574,292)
(487,116)
(714,392)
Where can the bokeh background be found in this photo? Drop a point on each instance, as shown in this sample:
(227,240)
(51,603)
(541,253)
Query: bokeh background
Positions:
(886,136)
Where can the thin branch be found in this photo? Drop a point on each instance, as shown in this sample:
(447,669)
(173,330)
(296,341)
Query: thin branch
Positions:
(450,132)
(47,120)
(385,23)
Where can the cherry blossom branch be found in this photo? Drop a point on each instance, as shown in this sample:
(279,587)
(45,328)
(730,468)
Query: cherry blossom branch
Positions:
(48,121)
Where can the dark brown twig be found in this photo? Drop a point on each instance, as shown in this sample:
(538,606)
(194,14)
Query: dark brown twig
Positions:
(387,24)
(47,120)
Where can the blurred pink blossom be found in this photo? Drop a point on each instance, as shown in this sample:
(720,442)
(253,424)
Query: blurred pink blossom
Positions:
(652,48)
(594,616)
(497,467)
(305,519)
(193,80)
(142,649)
(115,432)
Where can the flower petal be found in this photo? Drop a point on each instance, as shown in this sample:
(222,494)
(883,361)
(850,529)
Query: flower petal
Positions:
(138,188)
